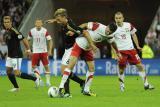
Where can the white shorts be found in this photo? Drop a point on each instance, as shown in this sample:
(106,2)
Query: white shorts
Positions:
(14,63)
(66,56)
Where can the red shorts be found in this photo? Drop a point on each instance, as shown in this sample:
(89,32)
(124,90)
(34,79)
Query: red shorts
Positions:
(37,57)
(77,52)
(129,56)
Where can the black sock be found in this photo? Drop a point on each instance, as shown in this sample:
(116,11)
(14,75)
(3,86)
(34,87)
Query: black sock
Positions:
(27,76)
(66,86)
(13,80)
(75,78)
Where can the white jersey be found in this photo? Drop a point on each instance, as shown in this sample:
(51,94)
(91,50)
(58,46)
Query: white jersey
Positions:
(97,32)
(40,38)
(123,36)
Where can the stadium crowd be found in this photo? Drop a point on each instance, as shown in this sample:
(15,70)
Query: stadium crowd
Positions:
(16,9)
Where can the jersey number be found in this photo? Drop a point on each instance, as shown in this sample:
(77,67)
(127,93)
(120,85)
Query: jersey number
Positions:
(123,36)
(38,40)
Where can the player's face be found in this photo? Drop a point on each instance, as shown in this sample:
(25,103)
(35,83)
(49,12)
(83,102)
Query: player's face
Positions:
(61,20)
(119,19)
(38,24)
(7,23)
(108,31)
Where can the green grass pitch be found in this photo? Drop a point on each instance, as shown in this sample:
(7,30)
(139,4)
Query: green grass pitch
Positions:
(106,87)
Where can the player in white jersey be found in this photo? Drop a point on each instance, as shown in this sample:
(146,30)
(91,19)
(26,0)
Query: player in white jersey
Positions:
(129,54)
(40,36)
(84,46)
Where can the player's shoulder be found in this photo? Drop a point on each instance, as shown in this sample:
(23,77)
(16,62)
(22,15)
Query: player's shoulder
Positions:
(127,23)
(33,29)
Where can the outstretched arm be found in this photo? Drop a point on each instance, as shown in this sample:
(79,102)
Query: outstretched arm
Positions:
(115,50)
(135,39)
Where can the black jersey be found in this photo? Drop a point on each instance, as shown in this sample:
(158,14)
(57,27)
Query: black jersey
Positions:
(12,38)
(72,27)
(70,40)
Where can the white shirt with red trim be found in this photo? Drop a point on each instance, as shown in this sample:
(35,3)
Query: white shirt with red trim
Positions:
(123,36)
(97,32)
(39,38)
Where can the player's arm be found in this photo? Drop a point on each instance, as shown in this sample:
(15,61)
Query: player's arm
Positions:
(50,46)
(89,39)
(29,37)
(26,44)
(114,47)
(50,43)
(135,39)
(84,26)
(50,21)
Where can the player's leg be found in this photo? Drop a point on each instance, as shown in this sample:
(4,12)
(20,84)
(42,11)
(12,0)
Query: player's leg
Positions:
(66,85)
(45,62)
(68,70)
(122,65)
(89,79)
(17,65)
(142,74)
(65,62)
(10,74)
(76,51)
(135,60)
(88,56)
(35,63)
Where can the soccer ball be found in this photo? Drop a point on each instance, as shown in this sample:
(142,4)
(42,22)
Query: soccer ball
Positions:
(53,92)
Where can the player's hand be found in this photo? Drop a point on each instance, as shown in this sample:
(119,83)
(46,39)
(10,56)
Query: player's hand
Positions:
(50,21)
(28,53)
(70,33)
(49,53)
(139,48)
(119,56)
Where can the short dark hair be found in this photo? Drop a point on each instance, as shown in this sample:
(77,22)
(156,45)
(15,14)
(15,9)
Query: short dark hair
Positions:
(112,26)
(119,13)
(7,18)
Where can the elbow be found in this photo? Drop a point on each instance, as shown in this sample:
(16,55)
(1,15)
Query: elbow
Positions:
(85,33)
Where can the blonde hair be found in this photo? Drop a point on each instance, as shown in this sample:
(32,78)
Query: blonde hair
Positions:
(61,12)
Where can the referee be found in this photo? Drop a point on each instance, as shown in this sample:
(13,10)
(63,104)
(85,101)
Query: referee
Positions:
(12,37)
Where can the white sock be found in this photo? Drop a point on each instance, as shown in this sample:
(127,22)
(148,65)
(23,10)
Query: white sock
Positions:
(48,78)
(89,79)
(65,77)
(144,78)
(36,73)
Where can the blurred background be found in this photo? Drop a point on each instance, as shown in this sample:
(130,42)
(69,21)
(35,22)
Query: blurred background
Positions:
(143,14)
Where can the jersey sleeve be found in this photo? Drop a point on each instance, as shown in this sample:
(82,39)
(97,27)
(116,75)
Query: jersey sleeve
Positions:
(72,27)
(48,37)
(92,26)
(132,29)
(20,36)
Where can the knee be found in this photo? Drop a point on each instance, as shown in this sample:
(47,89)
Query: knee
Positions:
(121,69)
(91,68)
(17,73)
(140,67)
(9,70)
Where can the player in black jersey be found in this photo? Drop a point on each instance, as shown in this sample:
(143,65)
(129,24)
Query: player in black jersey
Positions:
(69,40)
(13,38)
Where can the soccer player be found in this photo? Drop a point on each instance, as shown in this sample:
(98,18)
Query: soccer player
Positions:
(12,37)
(83,46)
(129,54)
(69,40)
(40,36)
